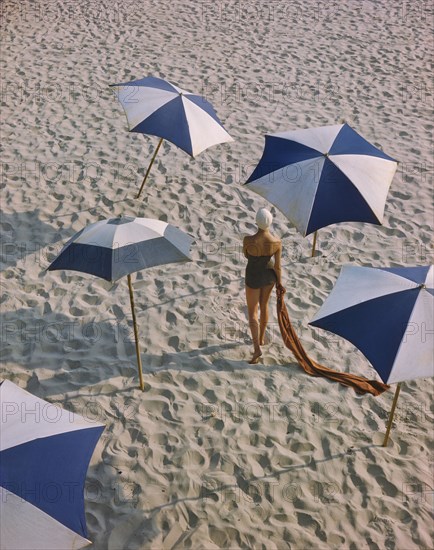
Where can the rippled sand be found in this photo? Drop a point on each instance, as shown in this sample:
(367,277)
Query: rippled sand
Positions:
(216,453)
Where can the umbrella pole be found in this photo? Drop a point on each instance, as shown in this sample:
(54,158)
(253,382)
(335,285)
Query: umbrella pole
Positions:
(314,244)
(392,412)
(136,333)
(149,167)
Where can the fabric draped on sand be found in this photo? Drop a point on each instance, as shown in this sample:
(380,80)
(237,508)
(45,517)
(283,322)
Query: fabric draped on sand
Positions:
(359,384)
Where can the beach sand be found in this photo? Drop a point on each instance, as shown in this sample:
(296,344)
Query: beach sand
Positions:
(216,453)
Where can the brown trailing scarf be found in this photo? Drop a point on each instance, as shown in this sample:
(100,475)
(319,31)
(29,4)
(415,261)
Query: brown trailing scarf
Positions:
(290,338)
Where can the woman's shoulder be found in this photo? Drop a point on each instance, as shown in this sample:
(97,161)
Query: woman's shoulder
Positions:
(274,244)
(274,240)
(260,246)
(262,238)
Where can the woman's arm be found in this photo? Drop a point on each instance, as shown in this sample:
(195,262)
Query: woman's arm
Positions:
(277,266)
(245,246)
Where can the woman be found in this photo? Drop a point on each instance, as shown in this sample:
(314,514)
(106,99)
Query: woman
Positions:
(261,276)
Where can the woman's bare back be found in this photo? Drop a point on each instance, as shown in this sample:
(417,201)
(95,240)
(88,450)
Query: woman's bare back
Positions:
(261,244)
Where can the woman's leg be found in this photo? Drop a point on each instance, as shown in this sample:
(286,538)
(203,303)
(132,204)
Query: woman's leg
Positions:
(252,298)
(264,297)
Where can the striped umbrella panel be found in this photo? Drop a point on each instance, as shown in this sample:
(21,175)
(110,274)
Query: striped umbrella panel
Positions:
(157,107)
(325,175)
(44,455)
(113,248)
(387,313)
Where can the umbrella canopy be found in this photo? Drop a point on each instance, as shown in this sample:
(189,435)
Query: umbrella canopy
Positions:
(388,314)
(157,107)
(321,176)
(113,248)
(44,455)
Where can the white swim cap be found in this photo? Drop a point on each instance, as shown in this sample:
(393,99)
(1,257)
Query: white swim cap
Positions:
(263,218)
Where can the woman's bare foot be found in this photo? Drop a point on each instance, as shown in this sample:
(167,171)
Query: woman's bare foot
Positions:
(255,358)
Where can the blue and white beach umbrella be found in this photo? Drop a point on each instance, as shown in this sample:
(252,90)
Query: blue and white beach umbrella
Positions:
(321,176)
(116,247)
(113,248)
(388,313)
(44,455)
(155,106)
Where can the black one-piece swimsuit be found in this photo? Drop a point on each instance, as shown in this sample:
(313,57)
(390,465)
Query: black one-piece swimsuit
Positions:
(258,272)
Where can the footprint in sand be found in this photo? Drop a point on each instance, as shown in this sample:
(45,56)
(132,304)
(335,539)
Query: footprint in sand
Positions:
(174,342)
(119,313)
(372,423)
(210,396)
(301,447)
(191,384)
(305,520)
(169,395)
(378,474)
(76,311)
(6,227)
(170,317)
(91,299)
